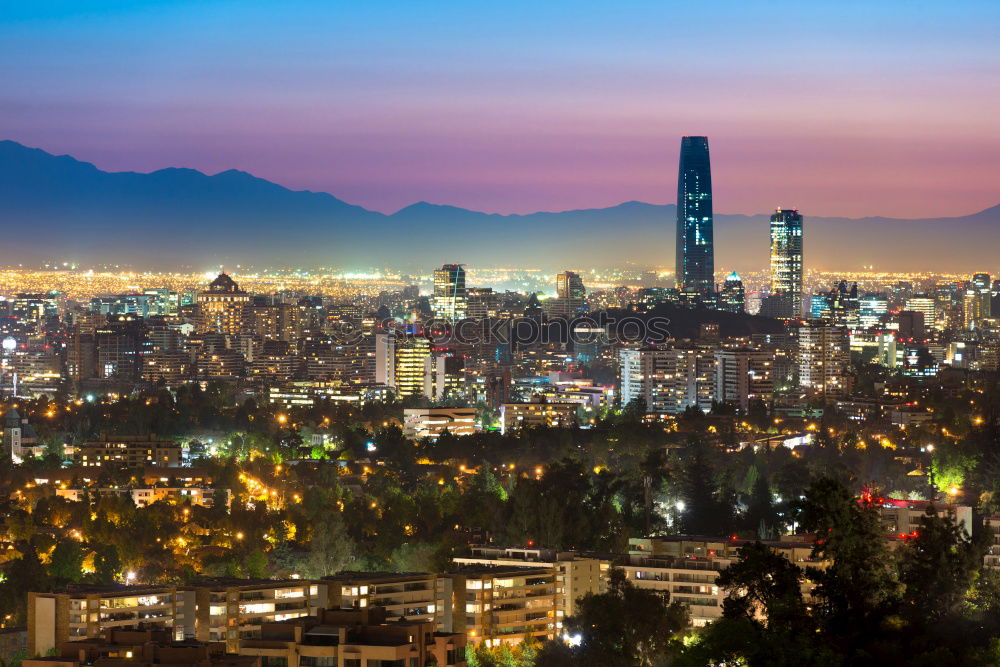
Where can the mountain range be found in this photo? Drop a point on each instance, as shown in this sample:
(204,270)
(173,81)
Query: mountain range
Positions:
(60,208)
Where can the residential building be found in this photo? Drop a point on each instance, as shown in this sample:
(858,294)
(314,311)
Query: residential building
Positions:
(904,517)
(356,638)
(515,416)
(208,610)
(744,375)
(405,596)
(824,360)
(141,647)
(576,574)
(505,604)
(420,423)
(128,450)
(669,378)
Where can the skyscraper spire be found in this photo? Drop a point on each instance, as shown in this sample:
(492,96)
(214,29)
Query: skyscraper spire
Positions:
(695,271)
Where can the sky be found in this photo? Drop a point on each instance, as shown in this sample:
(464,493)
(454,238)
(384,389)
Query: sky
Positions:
(843,108)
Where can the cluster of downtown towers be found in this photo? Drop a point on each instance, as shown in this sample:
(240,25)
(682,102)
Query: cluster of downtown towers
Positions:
(695,267)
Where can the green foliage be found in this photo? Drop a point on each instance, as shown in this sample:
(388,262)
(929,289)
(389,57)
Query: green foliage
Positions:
(625,627)
(937,568)
(66,564)
(873,607)
(330,548)
(949,469)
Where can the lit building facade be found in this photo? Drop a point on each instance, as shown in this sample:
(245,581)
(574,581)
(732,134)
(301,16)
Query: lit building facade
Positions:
(695,250)
(450,296)
(786,260)
(824,360)
(732,296)
(223,306)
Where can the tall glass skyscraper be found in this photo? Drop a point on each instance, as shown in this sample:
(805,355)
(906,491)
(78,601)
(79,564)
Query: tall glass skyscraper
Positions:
(451,300)
(695,272)
(786,261)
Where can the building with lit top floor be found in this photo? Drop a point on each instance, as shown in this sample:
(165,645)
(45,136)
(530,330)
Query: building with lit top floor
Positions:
(405,596)
(357,638)
(209,610)
(576,574)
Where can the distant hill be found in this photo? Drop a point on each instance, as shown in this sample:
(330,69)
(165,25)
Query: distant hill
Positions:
(59,208)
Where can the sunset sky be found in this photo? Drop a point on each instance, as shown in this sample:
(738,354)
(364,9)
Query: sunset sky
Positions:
(839,108)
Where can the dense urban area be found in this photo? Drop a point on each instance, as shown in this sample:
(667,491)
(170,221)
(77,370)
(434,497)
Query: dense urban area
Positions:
(628,475)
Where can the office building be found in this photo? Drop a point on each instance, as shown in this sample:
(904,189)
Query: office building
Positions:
(401,363)
(571,296)
(695,251)
(977,301)
(223,306)
(450,297)
(926,305)
(732,296)
(786,261)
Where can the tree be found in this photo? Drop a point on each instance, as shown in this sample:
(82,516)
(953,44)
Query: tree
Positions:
(762,585)
(937,568)
(67,561)
(625,627)
(859,586)
(764,619)
(331,547)
(705,513)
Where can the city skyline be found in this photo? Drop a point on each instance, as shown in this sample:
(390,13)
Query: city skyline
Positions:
(398,105)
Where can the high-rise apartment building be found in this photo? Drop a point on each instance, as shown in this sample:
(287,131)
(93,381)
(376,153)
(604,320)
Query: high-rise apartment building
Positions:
(743,376)
(450,297)
(786,261)
(668,379)
(824,359)
(695,251)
